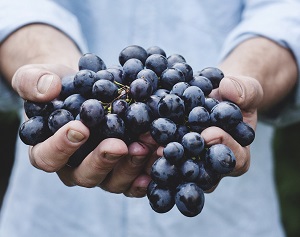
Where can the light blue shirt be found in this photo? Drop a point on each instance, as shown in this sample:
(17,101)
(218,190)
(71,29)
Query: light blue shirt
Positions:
(37,204)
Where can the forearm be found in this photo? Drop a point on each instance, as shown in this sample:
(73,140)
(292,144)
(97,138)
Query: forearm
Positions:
(36,44)
(272,65)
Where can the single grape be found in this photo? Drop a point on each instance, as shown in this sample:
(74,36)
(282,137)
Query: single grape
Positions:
(113,127)
(226,115)
(198,119)
(164,173)
(179,88)
(73,103)
(161,199)
(206,179)
(163,130)
(84,81)
(140,89)
(105,91)
(157,63)
(105,74)
(189,170)
(59,118)
(220,158)
(91,113)
(210,103)
(193,144)
(174,153)
(170,77)
(189,199)
(150,76)
(34,130)
(91,62)
(32,108)
(161,92)
(152,102)
(243,133)
(130,70)
(67,87)
(132,51)
(193,96)
(117,73)
(119,107)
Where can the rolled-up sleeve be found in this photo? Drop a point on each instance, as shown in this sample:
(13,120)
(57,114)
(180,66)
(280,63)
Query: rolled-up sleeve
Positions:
(15,14)
(280,22)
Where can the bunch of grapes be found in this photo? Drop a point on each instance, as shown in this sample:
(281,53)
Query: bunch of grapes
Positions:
(148,92)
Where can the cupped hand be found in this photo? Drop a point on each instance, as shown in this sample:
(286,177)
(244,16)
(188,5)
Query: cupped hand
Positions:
(112,165)
(247,93)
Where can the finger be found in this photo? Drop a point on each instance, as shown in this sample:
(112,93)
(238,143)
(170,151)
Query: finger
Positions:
(138,187)
(39,83)
(215,135)
(127,169)
(96,166)
(54,153)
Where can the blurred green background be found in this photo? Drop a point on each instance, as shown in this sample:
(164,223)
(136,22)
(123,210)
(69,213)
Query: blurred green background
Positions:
(287,165)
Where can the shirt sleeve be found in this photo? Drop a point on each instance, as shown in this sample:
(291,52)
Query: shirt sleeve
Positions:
(278,21)
(15,14)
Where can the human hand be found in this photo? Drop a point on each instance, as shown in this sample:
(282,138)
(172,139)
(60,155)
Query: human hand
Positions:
(247,93)
(111,165)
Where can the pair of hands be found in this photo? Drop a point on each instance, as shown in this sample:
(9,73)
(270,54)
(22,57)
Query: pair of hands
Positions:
(113,165)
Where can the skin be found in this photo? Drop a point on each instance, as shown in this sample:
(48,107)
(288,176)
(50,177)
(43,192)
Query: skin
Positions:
(253,80)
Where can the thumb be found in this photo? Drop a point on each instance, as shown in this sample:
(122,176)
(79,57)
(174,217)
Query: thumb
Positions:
(244,91)
(39,82)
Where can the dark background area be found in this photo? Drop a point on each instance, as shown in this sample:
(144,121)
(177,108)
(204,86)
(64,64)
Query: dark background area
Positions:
(287,166)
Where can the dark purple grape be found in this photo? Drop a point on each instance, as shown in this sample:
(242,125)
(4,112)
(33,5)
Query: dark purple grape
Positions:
(157,63)
(67,87)
(34,130)
(56,104)
(160,199)
(203,83)
(193,144)
(170,77)
(138,118)
(174,152)
(59,118)
(150,76)
(105,91)
(220,158)
(84,81)
(132,51)
(179,88)
(140,89)
(91,113)
(164,173)
(186,69)
(119,107)
(172,107)
(243,133)
(105,74)
(207,179)
(226,115)
(32,108)
(189,170)
(189,199)
(163,130)
(155,50)
(193,96)
(91,62)
(210,103)
(73,103)
(130,70)
(215,75)
(198,119)
(175,58)
(113,127)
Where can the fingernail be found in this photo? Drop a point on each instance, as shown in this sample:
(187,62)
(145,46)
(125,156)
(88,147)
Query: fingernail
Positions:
(74,136)
(238,87)
(44,83)
(110,156)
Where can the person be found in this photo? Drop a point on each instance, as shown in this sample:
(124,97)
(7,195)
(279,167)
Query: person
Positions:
(253,42)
